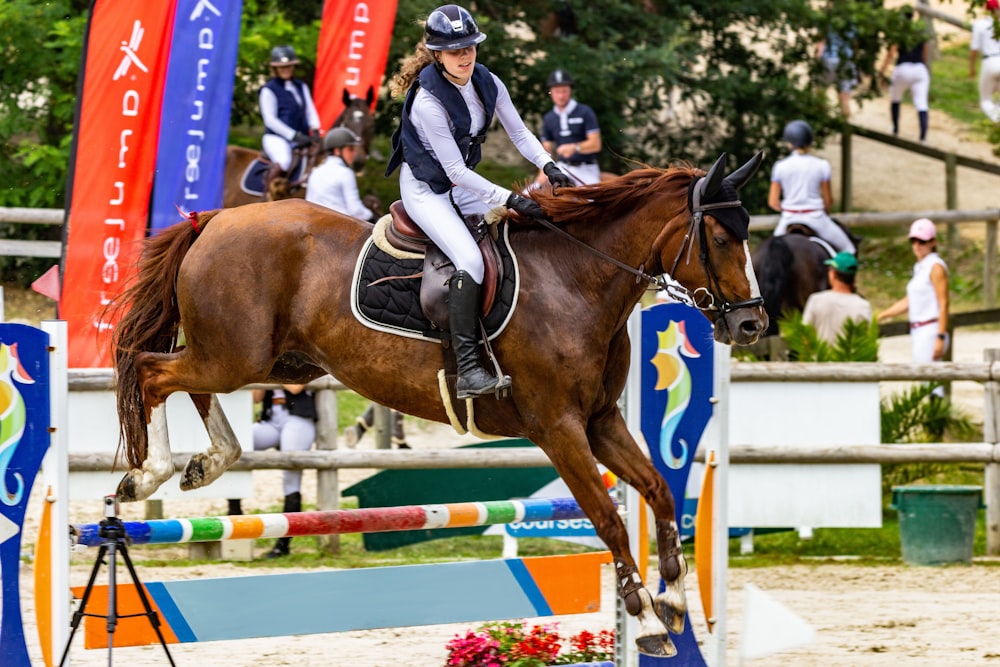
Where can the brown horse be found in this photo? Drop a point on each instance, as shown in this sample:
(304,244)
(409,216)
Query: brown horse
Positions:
(356,116)
(263,294)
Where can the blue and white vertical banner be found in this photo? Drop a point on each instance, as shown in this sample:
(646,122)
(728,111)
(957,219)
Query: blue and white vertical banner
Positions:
(194,122)
(24,438)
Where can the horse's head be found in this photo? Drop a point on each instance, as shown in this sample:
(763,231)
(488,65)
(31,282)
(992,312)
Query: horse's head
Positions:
(726,288)
(357,117)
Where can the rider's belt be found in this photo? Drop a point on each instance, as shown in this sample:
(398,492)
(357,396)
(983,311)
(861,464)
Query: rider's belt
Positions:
(917,325)
(799,210)
(277,401)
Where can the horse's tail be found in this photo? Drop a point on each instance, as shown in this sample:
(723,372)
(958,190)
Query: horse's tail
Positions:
(772,277)
(149,323)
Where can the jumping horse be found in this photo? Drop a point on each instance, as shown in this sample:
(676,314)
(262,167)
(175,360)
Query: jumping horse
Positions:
(356,116)
(262,294)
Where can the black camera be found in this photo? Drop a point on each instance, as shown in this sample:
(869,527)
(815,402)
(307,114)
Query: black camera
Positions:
(110,506)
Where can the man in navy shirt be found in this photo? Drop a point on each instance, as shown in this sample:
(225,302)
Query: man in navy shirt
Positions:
(571,132)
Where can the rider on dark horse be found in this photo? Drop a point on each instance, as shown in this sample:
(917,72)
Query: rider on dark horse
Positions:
(450,104)
(290,117)
(800,191)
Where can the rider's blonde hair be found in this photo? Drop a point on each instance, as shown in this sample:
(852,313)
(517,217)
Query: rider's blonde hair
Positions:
(409,70)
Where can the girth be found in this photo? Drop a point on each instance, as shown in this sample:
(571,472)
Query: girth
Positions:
(404,234)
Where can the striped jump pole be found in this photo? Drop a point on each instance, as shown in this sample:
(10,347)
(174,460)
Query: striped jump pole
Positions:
(337,522)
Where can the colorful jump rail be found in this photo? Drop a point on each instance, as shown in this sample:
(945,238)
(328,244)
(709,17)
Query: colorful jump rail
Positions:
(337,522)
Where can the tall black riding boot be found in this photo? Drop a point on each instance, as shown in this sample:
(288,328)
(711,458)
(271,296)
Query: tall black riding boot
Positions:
(293,503)
(463,309)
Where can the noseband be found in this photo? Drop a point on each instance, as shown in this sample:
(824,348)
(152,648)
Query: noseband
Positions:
(703,298)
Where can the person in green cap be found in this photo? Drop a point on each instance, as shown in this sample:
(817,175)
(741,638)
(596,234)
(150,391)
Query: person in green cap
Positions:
(829,309)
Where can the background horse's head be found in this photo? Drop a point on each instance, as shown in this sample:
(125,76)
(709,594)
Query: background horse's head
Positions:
(718,229)
(357,117)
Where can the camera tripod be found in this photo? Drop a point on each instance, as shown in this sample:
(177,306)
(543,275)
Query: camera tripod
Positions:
(113,532)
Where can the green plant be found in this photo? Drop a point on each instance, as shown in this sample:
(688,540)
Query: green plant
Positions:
(506,644)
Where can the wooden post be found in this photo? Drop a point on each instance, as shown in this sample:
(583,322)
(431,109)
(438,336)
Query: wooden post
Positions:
(382,429)
(845,168)
(991,434)
(990,265)
(327,481)
(951,190)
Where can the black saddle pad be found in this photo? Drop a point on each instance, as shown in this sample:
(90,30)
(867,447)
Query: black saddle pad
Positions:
(394,305)
(252,182)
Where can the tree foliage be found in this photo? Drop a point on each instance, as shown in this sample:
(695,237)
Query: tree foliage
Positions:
(668,80)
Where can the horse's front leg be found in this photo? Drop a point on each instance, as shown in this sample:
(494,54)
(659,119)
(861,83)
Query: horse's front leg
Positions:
(613,446)
(571,456)
(224,448)
(141,483)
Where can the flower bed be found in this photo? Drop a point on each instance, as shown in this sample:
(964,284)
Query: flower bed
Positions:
(506,644)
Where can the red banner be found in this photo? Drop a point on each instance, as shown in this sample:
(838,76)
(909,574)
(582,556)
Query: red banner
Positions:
(112,165)
(353,47)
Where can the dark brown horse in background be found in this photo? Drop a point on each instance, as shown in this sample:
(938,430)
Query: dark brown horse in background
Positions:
(263,294)
(789,268)
(356,116)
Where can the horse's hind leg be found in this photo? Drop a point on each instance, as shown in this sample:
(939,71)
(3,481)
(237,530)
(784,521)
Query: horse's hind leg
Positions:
(572,459)
(224,449)
(613,446)
(141,483)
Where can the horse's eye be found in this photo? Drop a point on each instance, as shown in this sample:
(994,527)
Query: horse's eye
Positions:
(720,241)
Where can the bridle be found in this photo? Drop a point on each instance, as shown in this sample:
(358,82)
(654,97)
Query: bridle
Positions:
(703,298)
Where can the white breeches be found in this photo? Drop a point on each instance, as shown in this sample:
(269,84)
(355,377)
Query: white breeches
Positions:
(582,174)
(279,150)
(435,215)
(989,88)
(824,227)
(915,77)
(289,433)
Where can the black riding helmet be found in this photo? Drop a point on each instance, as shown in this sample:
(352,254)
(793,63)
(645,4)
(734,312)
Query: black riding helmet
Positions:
(559,77)
(798,134)
(451,27)
(283,55)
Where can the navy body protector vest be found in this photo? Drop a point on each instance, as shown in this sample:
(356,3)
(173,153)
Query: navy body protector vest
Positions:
(406,145)
(289,111)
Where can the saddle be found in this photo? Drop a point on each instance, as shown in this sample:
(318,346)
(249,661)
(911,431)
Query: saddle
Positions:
(252,181)
(806,230)
(405,236)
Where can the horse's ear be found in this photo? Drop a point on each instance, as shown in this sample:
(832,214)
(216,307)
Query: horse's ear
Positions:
(713,179)
(370,97)
(739,178)
(346,97)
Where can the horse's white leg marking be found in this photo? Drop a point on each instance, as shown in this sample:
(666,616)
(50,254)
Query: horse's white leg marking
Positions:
(224,450)
(748,269)
(141,483)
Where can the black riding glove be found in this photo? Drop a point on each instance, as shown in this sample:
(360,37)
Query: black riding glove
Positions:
(526,207)
(557,177)
(301,139)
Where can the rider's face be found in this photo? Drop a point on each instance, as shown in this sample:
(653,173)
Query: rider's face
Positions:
(285,71)
(560,95)
(459,63)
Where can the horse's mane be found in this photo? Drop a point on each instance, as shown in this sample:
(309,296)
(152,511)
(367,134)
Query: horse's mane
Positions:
(609,199)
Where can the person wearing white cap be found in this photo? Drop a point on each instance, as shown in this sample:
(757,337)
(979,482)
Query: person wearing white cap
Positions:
(984,43)
(926,300)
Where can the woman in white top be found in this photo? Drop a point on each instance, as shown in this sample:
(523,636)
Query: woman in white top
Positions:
(286,106)
(800,190)
(333,183)
(450,103)
(926,300)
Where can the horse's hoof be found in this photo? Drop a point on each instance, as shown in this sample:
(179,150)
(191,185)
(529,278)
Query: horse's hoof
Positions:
(672,617)
(656,645)
(194,473)
(127,489)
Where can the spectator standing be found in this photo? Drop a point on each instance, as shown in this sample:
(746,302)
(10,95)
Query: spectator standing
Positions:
(800,190)
(985,44)
(570,130)
(911,72)
(287,422)
(333,183)
(926,300)
(450,103)
(836,52)
(829,309)
(290,117)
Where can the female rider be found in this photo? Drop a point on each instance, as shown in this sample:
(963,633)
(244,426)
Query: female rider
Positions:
(450,104)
